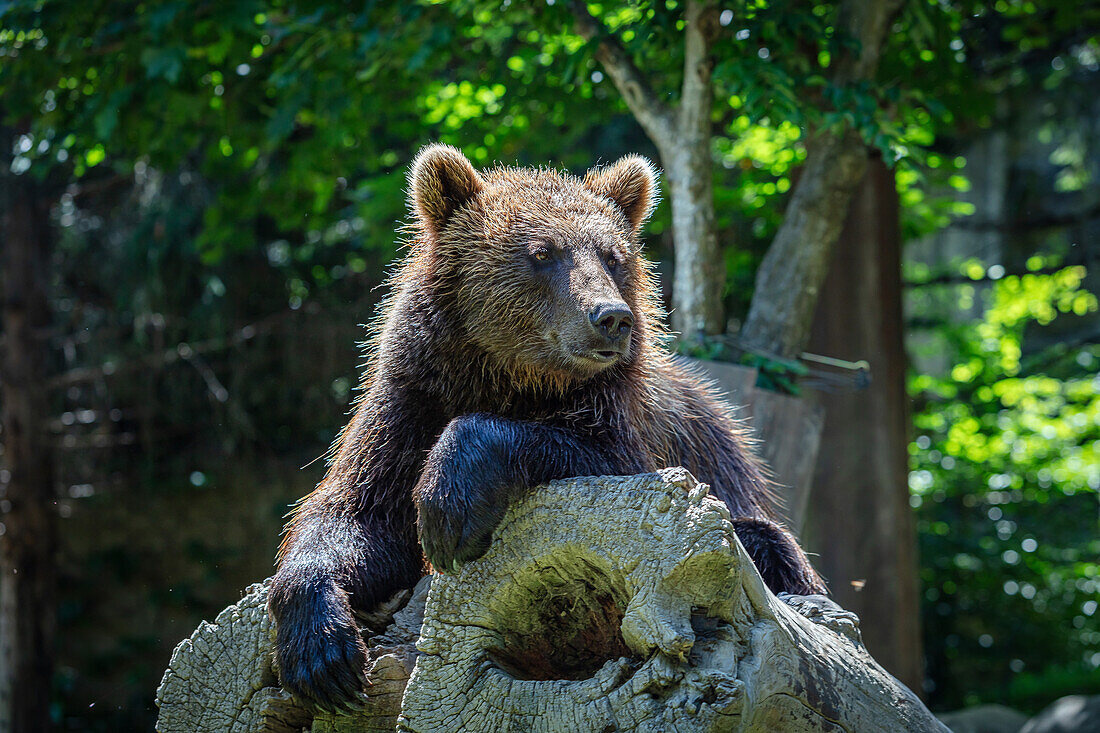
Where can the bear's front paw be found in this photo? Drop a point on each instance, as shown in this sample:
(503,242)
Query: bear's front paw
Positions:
(455,532)
(319,654)
(462,492)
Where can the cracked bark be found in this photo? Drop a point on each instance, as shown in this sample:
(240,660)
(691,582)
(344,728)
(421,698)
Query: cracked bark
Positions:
(657,621)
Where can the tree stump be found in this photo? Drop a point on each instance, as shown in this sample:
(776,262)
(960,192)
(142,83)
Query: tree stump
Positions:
(604,604)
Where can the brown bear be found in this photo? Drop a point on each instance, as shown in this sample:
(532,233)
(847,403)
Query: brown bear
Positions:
(521,342)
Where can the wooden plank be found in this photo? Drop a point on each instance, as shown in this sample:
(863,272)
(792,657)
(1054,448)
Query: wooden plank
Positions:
(735,381)
(789,431)
(788,428)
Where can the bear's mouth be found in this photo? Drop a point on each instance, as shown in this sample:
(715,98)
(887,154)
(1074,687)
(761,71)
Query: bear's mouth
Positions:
(600,356)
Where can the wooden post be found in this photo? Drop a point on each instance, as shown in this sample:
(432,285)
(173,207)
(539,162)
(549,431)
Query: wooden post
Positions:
(788,431)
(859,523)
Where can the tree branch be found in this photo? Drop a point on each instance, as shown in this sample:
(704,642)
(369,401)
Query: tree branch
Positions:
(1043,220)
(184,350)
(652,114)
(954,278)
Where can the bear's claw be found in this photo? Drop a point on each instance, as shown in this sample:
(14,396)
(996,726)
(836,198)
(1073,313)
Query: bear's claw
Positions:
(449,542)
(825,611)
(326,673)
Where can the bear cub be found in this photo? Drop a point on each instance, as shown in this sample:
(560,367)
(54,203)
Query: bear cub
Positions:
(521,342)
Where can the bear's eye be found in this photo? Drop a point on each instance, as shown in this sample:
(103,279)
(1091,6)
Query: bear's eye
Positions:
(541,255)
(612,262)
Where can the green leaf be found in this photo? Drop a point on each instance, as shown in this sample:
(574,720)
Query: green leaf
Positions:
(166,62)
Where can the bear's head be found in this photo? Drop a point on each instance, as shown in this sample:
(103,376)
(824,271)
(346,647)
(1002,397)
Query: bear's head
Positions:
(543,269)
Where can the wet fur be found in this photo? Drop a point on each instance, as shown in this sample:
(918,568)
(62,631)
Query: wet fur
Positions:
(468,401)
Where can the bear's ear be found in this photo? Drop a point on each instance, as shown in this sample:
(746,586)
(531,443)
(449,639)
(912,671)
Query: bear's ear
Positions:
(630,182)
(440,181)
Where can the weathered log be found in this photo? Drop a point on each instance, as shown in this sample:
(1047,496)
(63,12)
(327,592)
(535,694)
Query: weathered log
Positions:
(604,604)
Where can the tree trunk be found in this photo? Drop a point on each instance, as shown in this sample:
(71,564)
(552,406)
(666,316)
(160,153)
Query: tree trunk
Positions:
(28,539)
(790,277)
(657,621)
(859,520)
(700,272)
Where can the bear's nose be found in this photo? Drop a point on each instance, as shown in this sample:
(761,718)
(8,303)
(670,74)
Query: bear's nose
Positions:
(612,320)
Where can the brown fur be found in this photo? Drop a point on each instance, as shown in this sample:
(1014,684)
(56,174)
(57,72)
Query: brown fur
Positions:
(482,384)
